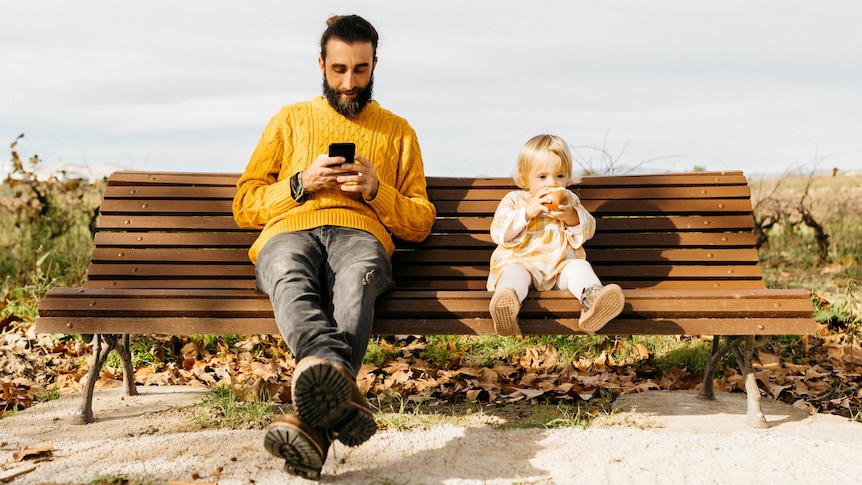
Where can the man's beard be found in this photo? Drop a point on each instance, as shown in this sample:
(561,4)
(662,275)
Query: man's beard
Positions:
(348,107)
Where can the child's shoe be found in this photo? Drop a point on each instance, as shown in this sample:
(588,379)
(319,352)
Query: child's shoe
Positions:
(505,307)
(600,304)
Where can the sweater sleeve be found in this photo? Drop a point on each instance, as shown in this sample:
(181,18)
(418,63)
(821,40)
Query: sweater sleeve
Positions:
(260,193)
(508,228)
(586,229)
(403,207)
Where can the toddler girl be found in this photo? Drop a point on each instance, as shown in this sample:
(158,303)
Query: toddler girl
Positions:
(540,241)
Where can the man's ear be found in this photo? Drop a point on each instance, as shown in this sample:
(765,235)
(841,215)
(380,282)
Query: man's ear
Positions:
(374,65)
(322,63)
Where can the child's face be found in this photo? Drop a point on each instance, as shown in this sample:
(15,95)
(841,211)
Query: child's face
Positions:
(547,171)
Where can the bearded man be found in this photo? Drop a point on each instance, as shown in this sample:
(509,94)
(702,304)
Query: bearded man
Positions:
(327,225)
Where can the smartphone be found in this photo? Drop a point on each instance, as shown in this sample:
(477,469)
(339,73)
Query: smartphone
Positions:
(346,150)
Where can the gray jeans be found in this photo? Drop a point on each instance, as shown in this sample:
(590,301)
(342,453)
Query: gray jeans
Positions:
(323,284)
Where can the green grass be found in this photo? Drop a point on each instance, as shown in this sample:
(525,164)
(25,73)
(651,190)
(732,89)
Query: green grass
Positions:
(5,412)
(392,411)
(692,355)
(122,479)
(229,407)
(841,313)
(443,351)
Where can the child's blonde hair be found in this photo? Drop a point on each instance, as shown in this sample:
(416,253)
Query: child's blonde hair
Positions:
(541,146)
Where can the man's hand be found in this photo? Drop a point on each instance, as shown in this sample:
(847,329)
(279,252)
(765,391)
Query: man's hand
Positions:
(363,179)
(323,173)
(327,172)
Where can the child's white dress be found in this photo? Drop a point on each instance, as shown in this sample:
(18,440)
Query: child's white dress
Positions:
(544,246)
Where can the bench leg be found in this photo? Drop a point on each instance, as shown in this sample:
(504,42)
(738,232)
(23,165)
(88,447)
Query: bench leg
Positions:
(128,372)
(718,351)
(754,416)
(102,346)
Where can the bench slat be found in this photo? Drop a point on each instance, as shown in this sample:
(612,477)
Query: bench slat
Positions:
(653,311)
(436,272)
(239,255)
(173,178)
(601,240)
(682,305)
(168,222)
(247,326)
(452,240)
(176,239)
(732,177)
(124,198)
(476,284)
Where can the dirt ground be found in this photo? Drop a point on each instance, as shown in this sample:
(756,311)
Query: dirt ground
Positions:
(655,437)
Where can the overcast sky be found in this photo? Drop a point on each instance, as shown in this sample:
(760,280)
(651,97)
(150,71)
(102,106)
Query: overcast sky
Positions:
(762,86)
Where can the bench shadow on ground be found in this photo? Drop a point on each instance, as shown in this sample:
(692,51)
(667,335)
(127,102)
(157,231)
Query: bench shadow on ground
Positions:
(473,454)
(684,410)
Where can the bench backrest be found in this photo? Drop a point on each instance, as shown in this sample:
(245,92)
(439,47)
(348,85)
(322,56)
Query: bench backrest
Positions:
(690,230)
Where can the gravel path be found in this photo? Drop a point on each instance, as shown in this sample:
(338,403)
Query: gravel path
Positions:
(659,437)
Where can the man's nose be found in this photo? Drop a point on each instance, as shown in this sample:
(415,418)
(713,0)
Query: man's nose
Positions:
(349,81)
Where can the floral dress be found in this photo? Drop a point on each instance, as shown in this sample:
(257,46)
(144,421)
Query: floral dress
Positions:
(544,246)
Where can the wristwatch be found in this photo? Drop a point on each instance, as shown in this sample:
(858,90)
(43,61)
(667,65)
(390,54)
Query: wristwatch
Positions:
(297,191)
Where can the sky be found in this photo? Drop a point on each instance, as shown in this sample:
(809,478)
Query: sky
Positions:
(758,86)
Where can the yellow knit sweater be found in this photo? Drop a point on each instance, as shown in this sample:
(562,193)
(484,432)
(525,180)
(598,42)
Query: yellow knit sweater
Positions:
(300,133)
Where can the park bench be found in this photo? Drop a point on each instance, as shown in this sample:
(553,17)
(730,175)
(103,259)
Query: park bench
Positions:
(169,259)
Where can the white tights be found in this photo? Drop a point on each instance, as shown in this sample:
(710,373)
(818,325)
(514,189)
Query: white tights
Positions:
(575,276)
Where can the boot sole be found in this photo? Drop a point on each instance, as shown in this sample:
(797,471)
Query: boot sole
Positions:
(321,394)
(301,456)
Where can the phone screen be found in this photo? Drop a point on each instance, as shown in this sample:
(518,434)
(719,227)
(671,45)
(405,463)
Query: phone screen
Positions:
(346,150)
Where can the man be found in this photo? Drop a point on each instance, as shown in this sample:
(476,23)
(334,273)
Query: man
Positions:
(323,255)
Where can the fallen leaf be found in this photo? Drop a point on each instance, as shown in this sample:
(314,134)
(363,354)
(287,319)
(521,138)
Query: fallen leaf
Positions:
(33,451)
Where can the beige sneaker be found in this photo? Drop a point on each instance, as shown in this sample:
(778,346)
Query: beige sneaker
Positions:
(505,307)
(600,305)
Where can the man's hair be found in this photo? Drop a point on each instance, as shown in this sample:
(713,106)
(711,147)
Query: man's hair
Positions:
(541,146)
(350,29)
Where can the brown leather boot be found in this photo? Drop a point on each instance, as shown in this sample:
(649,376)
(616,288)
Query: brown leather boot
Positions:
(302,447)
(326,396)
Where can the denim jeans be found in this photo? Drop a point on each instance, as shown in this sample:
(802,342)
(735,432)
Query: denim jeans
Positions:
(323,284)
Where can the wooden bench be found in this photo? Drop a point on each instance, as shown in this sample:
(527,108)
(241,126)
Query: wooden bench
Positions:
(169,259)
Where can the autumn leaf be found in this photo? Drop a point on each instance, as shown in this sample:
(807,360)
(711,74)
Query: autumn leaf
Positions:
(33,451)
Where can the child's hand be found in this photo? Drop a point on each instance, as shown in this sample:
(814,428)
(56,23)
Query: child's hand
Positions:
(535,206)
(542,202)
(567,214)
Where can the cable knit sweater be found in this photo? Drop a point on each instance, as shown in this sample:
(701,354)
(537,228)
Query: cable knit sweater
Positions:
(301,132)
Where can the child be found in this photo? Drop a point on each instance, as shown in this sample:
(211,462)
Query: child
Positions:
(540,241)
